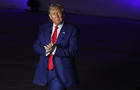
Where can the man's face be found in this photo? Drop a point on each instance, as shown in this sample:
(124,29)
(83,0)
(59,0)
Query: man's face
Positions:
(56,16)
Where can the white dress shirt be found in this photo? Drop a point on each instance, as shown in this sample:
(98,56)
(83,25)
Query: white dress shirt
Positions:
(58,31)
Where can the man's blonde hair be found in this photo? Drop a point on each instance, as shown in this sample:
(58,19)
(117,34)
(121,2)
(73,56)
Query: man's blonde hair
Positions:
(55,6)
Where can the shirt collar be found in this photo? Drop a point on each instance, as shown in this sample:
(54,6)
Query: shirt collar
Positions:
(59,26)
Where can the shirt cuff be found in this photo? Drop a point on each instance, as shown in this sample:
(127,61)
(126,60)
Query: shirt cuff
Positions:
(47,53)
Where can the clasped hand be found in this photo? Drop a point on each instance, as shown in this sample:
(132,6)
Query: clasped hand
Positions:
(50,47)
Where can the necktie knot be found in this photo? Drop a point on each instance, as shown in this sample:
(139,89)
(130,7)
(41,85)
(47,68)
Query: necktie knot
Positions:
(56,27)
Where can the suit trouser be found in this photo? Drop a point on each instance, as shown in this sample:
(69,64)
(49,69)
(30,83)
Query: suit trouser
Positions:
(54,83)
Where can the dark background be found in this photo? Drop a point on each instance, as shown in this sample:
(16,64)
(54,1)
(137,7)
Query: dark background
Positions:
(111,8)
(108,58)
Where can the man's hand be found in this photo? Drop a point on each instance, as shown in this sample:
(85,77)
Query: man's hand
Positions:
(50,47)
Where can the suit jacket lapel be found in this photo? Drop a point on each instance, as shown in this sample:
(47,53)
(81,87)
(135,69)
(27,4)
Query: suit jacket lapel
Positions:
(61,34)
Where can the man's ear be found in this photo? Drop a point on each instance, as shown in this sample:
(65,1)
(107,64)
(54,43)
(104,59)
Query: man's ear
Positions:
(50,16)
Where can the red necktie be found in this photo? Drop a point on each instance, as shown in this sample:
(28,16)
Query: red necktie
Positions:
(54,37)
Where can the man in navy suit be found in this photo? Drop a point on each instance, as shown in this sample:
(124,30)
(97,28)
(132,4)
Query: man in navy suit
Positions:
(57,45)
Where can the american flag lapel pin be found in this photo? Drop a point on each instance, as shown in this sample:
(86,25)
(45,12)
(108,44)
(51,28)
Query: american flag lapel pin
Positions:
(63,32)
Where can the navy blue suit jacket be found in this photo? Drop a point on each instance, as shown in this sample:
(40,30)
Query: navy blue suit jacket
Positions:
(67,46)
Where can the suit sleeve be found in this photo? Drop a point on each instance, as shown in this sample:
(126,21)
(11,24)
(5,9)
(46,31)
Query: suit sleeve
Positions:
(70,50)
(38,47)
